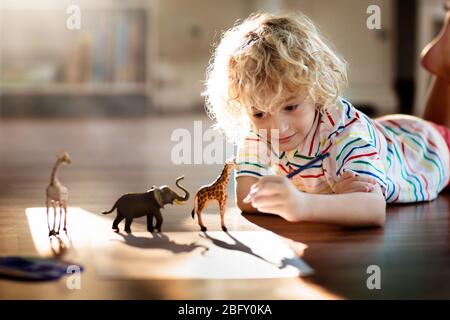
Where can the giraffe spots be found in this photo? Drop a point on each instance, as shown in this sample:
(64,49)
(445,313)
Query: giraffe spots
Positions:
(216,191)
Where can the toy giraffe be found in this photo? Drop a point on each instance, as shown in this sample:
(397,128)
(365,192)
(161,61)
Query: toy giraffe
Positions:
(57,193)
(216,191)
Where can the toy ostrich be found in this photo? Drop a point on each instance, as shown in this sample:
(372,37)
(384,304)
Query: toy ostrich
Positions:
(57,194)
(216,191)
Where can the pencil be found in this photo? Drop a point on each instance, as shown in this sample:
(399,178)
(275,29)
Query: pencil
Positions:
(308,165)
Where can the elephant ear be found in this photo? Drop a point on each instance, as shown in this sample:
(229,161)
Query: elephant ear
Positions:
(158,197)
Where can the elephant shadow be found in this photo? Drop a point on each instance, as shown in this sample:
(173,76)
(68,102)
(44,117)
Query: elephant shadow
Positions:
(160,241)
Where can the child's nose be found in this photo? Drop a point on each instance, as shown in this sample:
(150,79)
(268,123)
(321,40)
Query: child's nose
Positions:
(278,123)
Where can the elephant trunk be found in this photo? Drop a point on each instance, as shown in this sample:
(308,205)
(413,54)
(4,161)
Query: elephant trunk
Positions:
(186,193)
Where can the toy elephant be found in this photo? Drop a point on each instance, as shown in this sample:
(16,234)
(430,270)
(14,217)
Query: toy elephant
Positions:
(150,203)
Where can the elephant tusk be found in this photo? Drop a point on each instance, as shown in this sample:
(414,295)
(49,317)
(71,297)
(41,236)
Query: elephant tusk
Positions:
(179,202)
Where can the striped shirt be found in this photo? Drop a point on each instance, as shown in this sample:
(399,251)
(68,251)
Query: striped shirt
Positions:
(406,155)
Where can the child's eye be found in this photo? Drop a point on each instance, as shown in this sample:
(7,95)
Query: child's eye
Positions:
(258,115)
(291,107)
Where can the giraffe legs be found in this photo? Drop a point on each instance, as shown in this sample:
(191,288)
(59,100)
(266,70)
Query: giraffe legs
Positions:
(48,221)
(202,205)
(60,217)
(53,232)
(216,191)
(200,208)
(62,205)
(54,215)
(222,205)
(65,214)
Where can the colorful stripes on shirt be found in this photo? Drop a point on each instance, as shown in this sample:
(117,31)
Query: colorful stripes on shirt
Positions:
(404,154)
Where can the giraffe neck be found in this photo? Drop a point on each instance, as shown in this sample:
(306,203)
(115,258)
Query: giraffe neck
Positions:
(223,177)
(54,179)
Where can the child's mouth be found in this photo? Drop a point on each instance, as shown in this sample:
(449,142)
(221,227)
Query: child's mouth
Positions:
(286,139)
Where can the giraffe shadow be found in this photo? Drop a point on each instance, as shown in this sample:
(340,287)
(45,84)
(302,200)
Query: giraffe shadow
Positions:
(60,246)
(236,246)
(240,246)
(160,241)
(293,262)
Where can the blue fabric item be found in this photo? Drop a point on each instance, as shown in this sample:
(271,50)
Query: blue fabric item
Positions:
(33,269)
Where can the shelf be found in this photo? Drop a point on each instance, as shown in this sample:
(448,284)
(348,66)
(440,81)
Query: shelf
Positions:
(111,55)
(76,89)
(84,4)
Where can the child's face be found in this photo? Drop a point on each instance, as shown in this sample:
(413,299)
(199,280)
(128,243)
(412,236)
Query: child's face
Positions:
(292,115)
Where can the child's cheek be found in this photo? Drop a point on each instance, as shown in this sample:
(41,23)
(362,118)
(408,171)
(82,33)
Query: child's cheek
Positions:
(260,124)
(303,122)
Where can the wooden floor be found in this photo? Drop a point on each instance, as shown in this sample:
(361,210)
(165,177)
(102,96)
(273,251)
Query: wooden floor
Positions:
(114,157)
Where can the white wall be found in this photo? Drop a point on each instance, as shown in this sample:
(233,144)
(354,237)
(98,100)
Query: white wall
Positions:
(187,29)
(186,33)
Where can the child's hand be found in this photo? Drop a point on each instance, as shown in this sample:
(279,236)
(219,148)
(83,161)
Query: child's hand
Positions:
(278,195)
(350,182)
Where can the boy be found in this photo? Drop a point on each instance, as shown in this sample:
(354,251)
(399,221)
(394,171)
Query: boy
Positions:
(276,74)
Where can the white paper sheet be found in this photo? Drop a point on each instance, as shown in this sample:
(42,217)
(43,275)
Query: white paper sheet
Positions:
(197,255)
(169,255)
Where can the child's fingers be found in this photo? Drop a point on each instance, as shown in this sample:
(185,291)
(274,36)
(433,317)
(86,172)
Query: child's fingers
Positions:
(347,174)
(364,179)
(355,187)
(351,190)
(349,179)
(266,183)
(271,200)
(360,185)
(266,189)
(350,182)
(271,209)
(344,184)
(267,179)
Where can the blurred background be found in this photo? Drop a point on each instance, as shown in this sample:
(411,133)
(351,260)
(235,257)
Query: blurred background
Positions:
(135,58)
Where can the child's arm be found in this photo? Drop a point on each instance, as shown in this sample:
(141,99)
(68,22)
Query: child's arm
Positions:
(243,185)
(350,209)
(279,196)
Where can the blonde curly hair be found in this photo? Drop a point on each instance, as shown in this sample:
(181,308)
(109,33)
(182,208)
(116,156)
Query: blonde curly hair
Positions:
(267,55)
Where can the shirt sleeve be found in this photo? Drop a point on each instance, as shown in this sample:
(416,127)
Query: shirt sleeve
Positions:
(352,144)
(252,157)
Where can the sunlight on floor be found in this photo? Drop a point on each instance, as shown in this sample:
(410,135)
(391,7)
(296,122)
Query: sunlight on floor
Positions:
(81,227)
(173,255)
